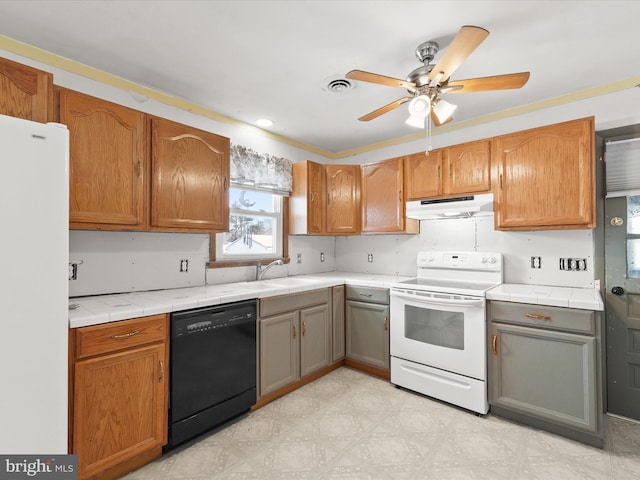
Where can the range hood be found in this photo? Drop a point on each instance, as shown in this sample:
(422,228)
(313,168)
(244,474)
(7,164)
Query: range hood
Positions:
(451,207)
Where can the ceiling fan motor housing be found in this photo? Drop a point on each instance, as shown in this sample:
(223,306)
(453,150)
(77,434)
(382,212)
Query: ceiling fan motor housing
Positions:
(425,52)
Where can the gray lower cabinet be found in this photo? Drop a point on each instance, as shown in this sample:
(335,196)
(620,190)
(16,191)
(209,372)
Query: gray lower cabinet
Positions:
(545,368)
(294,338)
(338,296)
(367,326)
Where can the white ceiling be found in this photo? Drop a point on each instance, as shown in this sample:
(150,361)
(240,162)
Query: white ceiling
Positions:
(254,59)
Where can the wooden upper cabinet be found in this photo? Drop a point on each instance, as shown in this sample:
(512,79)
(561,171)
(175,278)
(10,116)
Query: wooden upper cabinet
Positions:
(25,92)
(307,199)
(546,177)
(468,168)
(343,199)
(189,178)
(383,208)
(107,163)
(423,175)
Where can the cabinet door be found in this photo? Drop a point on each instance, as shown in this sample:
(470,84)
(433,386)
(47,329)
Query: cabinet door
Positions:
(368,333)
(468,168)
(315,339)
(343,199)
(382,196)
(120,407)
(279,352)
(546,374)
(338,298)
(25,92)
(546,177)
(306,202)
(190,178)
(106,163)
(423,175)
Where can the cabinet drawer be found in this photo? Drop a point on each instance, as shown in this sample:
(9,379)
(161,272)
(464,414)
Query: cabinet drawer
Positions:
(553,318)
(368,294)
(108,337)
(296,301)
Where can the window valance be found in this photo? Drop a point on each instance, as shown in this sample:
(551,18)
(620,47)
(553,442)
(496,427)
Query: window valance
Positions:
(260,171)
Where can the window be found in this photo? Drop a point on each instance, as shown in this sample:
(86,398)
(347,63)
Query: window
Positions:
(255,226)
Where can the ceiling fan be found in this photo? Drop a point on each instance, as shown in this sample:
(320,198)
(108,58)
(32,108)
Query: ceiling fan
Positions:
(427,83)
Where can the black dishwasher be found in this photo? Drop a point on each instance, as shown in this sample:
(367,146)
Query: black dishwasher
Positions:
(213,368)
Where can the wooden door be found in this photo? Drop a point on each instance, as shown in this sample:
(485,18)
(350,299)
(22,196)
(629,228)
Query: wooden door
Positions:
(546,177)
(315,340)
(423,175)
(107,163)
(468,168)
(25,92)
(120,409)
(189,178)
(382,196)
(306,202)
(343,199)
(279,351)
(622,305)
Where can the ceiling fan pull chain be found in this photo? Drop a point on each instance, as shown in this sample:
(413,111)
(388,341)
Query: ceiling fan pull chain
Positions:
(427,129)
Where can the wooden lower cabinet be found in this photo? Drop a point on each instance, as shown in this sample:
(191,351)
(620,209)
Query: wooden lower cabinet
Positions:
(295,343)
(120,391)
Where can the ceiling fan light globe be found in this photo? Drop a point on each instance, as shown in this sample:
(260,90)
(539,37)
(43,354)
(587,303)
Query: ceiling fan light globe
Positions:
(443,110)
(420,106)
(415,121)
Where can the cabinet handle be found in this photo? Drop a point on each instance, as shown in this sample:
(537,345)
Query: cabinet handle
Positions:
(438,169)
(494,344)
(537,316)
(386,324)
(304,328)
(295,332)
(368,295)
(139,168)
(225,184)
(125,335)
(161,372)
(313,197)
(500,181)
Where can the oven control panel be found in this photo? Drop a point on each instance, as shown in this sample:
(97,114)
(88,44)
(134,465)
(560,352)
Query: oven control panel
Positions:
(460,260)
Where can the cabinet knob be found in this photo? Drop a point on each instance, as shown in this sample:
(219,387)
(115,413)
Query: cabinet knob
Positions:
(617,290)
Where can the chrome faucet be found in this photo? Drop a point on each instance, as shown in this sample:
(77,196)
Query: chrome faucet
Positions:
(260,270)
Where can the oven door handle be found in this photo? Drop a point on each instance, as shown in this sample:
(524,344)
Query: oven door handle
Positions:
(440,301)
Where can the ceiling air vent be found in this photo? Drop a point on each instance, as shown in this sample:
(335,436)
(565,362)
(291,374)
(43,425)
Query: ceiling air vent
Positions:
(337,84)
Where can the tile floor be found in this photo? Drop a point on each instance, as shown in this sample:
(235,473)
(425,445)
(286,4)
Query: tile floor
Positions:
(349,425)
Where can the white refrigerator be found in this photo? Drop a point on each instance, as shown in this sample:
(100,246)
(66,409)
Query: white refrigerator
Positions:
(34,322)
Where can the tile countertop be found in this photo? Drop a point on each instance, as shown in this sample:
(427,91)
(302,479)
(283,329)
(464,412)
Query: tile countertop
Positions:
(582,298)
(93,310)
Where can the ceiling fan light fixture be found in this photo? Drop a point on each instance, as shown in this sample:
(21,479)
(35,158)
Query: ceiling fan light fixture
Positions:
(420,106)
(415,121)
(443,109)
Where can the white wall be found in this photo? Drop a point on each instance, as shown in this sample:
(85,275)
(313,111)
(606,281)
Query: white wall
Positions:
(396,254)
(392,254)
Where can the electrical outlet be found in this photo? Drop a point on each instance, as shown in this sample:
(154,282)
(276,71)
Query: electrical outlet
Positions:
(73,271)
(370,258)
(299,258)
(536,262)
(573,264)
(321,256)
(184,265)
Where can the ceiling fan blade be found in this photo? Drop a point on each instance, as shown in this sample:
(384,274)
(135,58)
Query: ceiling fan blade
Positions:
(385,109)
(380,79)
(483,84)
(463,45)
(436,121)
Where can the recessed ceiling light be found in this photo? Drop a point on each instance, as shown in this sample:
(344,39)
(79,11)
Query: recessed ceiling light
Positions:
(264,122)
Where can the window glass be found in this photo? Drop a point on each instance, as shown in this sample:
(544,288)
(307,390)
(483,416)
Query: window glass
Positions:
(255,226)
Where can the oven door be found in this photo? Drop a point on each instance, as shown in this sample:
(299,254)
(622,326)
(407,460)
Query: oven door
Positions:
(441,330)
